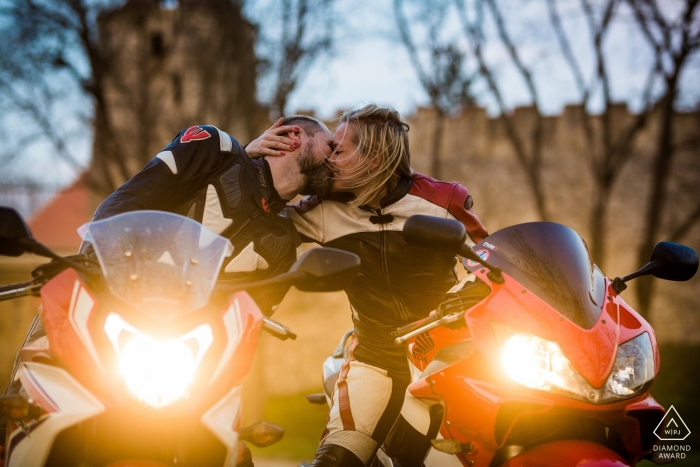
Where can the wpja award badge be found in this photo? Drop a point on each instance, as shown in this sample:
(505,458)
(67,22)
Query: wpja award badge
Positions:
(671,428)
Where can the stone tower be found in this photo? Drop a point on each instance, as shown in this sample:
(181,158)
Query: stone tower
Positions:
(167,65)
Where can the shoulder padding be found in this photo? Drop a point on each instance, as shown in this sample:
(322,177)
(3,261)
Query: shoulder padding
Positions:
(454,198)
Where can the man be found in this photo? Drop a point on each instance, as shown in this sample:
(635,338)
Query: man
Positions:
(205,174)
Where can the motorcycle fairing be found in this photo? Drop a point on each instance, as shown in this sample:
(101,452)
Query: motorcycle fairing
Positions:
(72,337)
(241,321)
(472,403)
(85,352)
(568,453)
(475,395)
(66,402)
(590,351)
(551,261)
(224,421)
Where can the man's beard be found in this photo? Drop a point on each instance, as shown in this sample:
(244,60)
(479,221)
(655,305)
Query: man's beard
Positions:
(318,175)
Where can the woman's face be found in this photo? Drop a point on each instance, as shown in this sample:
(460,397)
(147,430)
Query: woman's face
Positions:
(345,160)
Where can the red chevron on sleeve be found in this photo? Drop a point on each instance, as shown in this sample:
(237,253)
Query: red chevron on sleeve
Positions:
(194,133)
(453,197)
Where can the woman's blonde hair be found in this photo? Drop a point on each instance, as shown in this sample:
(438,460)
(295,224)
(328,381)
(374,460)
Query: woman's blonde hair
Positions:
(380,136)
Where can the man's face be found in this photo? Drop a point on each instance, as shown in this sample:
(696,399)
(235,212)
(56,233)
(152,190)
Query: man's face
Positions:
(313,163)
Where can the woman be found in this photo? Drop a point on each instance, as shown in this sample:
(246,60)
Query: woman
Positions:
(374,192)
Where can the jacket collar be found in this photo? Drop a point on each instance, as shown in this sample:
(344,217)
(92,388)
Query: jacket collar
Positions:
(400,190)
(270,201)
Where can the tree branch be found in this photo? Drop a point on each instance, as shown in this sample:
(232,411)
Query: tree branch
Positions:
(566,47)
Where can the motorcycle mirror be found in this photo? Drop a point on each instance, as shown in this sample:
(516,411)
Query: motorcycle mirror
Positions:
(438,234)
(15,237)
(674,262)
(325,270)
(669,261)
(262,434)
(445,236)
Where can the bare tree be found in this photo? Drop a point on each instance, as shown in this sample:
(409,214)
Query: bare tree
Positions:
(304,36)
(54,49)
(440,65)
(126,86)
(608,149)
(527,148)
(675,40)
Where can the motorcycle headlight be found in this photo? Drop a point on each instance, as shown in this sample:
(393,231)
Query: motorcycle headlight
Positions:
(157,372)
(633,368)
(540,364)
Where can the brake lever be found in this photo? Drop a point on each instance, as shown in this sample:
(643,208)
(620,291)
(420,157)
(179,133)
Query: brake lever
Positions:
(278,330)
(444,321)
(25,289)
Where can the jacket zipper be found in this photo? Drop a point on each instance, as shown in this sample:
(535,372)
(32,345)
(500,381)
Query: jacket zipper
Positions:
(385,268)
(237,233)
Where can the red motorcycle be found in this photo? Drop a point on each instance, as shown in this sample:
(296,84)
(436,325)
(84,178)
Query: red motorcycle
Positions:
(541,362)
(144,352)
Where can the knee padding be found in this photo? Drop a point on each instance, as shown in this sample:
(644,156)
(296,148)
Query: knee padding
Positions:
(330,455)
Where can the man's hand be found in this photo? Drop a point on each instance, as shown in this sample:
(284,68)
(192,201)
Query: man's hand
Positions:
(275,141)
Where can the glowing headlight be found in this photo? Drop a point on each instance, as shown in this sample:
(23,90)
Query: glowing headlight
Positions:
(537,363)
(540,364)
(157,372)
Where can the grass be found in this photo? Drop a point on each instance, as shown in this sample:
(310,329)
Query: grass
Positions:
(302,422)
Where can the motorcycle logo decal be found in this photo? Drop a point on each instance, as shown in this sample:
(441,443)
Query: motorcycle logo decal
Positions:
(672,427)
(194,133)
(483,254)
(424,343)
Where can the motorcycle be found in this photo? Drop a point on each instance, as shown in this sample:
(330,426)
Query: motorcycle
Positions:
(540,362)
(144,352)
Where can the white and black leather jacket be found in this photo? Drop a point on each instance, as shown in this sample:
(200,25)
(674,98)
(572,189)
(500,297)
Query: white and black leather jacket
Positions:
(398,283)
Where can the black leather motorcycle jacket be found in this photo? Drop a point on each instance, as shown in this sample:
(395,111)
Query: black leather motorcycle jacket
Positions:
(206,175)
(398,283)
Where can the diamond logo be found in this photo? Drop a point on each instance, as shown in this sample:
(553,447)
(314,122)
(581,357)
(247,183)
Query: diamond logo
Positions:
(672,427)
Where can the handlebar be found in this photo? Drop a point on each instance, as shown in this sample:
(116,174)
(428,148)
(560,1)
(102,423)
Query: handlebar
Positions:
(19,285)
(415,325)
(444,321)
(22,289)
(278,330)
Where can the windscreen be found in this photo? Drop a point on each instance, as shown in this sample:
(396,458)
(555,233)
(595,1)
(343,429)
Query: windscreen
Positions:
(163,264)
(552,261)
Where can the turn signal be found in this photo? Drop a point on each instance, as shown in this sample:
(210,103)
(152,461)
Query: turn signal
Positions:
(262,434)
(449,446)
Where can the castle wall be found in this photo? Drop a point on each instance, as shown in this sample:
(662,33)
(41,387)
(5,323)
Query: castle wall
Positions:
(169,69)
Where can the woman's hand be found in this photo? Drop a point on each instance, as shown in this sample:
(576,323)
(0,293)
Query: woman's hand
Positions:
(275,141)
